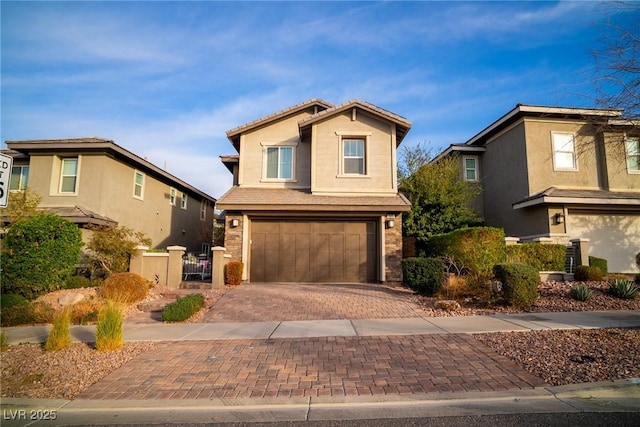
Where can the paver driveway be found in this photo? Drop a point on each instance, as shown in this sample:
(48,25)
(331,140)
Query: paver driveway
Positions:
(281,302)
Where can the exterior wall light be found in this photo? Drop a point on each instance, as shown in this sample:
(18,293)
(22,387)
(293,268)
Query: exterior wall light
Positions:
(558,218)
(235,222)
(390,221)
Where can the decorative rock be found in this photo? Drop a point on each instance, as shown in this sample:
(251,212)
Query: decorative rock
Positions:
(447,305)
(70,299)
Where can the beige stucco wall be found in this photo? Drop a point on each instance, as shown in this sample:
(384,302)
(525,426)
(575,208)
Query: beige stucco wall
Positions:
(105,186)
(380,155)
(540,156)
(283,132)
(619,177)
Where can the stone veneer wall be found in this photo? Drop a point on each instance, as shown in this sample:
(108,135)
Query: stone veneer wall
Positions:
(393,253)
(233,236)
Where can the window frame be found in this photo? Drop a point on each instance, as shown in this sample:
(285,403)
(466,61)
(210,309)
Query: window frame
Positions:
(203,209)
(173,196)
(476,168)
(574,157)
(629,155)
(23,179)
(63,176)
(136,185)
(183,201)
(265,162)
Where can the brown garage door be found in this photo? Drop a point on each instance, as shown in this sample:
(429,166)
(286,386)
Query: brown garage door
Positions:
(313,251)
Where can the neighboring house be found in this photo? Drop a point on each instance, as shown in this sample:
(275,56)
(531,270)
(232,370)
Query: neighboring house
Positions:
(560,173)
(315,195)
(95,181)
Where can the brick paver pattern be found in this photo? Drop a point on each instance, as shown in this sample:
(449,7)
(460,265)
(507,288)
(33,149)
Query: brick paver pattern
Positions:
(327,366)
(282,302)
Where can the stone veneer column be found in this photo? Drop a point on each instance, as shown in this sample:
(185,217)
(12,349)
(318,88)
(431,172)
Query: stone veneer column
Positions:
(393,253)
(233,235)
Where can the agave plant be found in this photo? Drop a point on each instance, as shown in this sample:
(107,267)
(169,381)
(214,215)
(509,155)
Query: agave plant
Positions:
(624,289)
(581,293)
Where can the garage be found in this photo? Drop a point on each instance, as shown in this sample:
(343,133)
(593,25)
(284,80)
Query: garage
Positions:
(614,237)
(313,251)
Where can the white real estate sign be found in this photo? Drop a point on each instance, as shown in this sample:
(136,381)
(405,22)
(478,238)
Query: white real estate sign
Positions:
(6,163)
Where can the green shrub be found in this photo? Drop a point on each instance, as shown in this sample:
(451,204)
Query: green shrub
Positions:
(601,263)
(4,341)
(60,335)
(624,289)
(183,308)
(423,275)
(109,329)
(519,283)
(38,254)
(34,312)
(586,273)
(476,250)
(542,257)
(75,282)
(11,300)
(125,288)
(580,293)
(233,273)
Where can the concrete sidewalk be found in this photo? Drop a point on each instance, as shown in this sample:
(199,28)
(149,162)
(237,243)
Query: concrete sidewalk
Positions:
(346,328)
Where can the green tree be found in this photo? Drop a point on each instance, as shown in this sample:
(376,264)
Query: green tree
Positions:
(38,254)
(440,199)
(110,248)
(21,204)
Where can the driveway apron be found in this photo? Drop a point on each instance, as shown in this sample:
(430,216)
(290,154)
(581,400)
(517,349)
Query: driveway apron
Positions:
(283,302)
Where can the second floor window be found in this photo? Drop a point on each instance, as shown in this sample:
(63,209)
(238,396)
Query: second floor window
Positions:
(633,154)
(173,195)
(183,201)
(19,178)
(203,210)
(353,156)
(69,175)
(564,151)
(470,168)
(279,163)
(138,185)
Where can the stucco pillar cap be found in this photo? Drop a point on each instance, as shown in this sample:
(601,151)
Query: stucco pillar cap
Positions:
(176,248)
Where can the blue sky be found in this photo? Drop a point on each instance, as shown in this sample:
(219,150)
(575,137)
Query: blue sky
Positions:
(166,80)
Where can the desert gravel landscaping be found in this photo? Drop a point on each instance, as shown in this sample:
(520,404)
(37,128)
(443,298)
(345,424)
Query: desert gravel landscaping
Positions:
(557,357)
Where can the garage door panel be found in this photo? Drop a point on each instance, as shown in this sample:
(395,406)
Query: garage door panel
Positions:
(313,251)
(615,238)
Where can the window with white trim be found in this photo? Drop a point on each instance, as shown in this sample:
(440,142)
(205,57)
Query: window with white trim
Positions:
(279,163)
(633,154)
(564,151)
(68,175)
(19,178)
(183,201)
(470,164)
(173,196)
(203,209)
(353,156)
(138,185)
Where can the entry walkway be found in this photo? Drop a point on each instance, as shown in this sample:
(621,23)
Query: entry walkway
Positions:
(346,327)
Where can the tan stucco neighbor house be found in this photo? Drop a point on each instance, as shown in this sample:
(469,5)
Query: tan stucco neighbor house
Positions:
(315,196)
(95,181)
(560,174)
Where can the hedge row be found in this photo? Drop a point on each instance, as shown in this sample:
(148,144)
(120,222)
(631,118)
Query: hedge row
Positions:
(542,257)
(423,275)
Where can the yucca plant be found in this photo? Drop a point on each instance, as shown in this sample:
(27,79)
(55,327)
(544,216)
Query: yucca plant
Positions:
(60,336)
(581,293)
(109,329)
(624,289)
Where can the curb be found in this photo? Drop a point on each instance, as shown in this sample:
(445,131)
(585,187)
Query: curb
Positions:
(604,396)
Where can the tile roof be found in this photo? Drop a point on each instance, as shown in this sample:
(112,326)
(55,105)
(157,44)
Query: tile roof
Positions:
(578,196)
(280,199)
(263,120)
(80,215)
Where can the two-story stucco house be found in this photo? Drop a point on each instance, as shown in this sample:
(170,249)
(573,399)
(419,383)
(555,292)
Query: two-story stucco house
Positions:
(95,181)
(560,173)
(315,195)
